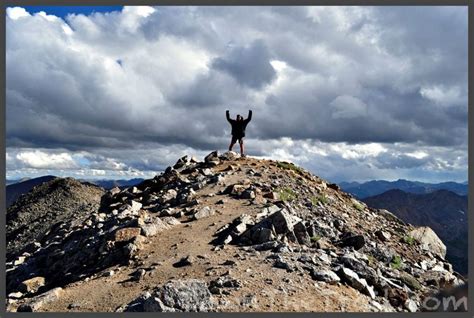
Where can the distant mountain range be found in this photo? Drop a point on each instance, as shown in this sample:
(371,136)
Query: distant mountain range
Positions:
(375,187)
(15,188)
(442,210)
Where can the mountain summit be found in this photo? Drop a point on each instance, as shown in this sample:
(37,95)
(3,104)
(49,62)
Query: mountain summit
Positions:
(227,234)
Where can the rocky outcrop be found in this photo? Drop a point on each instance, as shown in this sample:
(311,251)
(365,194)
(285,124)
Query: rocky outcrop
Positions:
(190,296)
(280,220)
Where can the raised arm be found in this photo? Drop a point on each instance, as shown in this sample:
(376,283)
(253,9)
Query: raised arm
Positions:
(227,116)
(249,118)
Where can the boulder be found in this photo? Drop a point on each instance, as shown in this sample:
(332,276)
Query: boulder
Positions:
(212,157)
(429,240)
(353,279)
(383,235)
(356,241)
(152,225)
(301,234)
(168,196)
(229,155)
(327,276)
(32,285)
(203,213)
(280,222)
(180,295)
(185,261)
(39,301)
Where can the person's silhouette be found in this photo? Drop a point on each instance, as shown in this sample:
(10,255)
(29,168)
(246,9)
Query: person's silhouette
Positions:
(238,130)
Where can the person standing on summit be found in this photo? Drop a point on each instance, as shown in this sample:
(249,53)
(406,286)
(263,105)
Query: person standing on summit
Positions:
(238,130)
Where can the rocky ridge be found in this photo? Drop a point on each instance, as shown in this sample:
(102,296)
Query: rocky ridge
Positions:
(231,234)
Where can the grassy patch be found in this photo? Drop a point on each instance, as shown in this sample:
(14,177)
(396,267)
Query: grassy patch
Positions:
(358,206)
(315,238)
(287,194)
(289,166)
(409,240)
(396,262)
(371,260)
(322,198)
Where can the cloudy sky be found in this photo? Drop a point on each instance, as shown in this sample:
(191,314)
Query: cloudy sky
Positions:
(349,93)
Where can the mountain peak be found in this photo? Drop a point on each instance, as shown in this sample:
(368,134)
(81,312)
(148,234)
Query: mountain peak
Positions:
(233,231)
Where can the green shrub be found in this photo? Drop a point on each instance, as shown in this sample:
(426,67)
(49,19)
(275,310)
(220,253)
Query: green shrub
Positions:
(289,166)
(396,262)
(358,206)
(287,194)
(315,238)
(409,240)
(322,198)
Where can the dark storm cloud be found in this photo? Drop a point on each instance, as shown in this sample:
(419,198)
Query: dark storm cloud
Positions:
(248,65)
(334,74)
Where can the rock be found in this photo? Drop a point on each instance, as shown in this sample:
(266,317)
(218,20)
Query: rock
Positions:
(327,276)
(39,301)
(301,234)
(169,195)
(151,225)
(126,234)
(248,300)
(183,161)
(138,274)
(15,295)
(171,221)
(206,172)
(410,305)
(280,263)
(203,213)
(281,222)
(32,285)
(272,195)
(114,191)
(356,241)
(185,261)
(397,297)
(229,262)
(213,156)
(429,240)
(333,186)
(216,285)
(229,155)
(383,235)
(353,279)
(237,189)
(135,206)
(248,194)
(181,295)
(20,260)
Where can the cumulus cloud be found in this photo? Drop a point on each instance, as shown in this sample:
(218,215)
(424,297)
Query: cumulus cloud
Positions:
(139,87)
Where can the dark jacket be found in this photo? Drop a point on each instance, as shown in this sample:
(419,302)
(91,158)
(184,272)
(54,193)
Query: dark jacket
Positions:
(238,126)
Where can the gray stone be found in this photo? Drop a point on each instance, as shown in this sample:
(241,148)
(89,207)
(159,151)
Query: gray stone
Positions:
(410,305)
(190,296)
(168,196)
(203,213)
(327,276)
(358,283)
(39,301)
(383,235)
(356,241)
(429,240)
